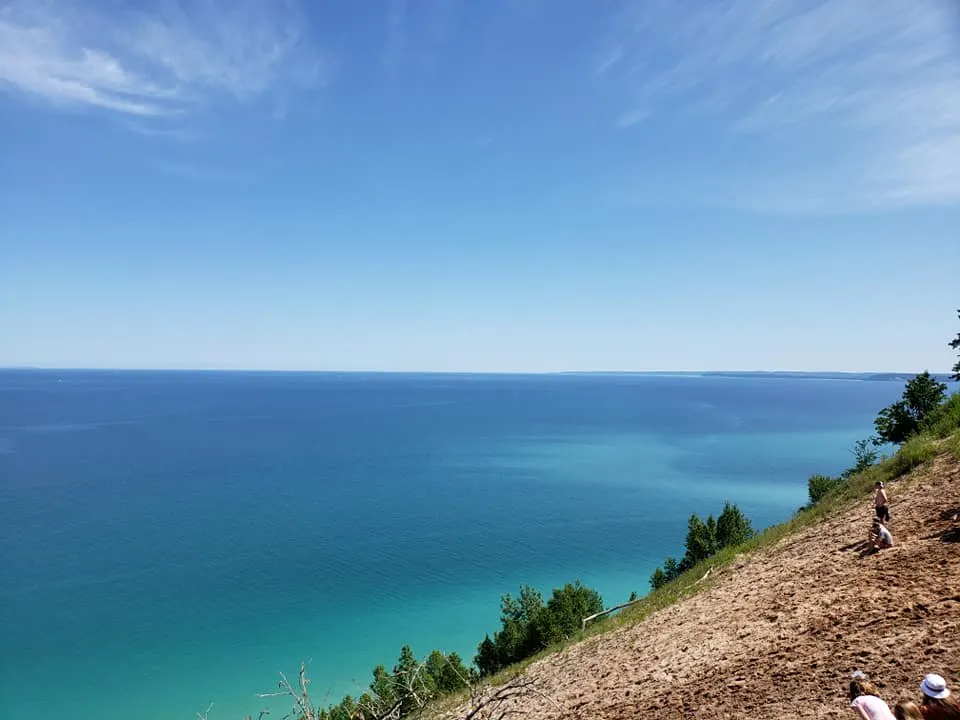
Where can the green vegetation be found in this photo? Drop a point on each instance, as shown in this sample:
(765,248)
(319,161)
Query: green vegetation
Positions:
(704,540)
(915,451)
(528,625)
(955,344)
(406,689)
(864,454)
(922,397)
(945,419)
(819,485)
(923,423)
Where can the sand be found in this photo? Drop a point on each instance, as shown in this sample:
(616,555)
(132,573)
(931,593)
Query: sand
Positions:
(777,635)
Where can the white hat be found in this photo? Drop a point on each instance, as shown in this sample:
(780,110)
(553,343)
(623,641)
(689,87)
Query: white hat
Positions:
(934,686)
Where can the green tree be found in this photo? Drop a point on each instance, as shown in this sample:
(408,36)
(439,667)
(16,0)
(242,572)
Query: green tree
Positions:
(562,615)
(487,658)
(658,579)
(446,672)
(820,485)
(383,689)
(671,567)
(865,455)
(899,421)
(515,640)
(955,344)
(661,576)
(701,540)
(733,527)
(407,682)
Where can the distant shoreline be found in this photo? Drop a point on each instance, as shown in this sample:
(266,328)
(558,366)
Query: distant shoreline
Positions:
(883,376)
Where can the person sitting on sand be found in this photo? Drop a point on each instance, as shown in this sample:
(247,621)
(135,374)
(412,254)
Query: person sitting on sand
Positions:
(907,710)
(880,537)
(880,503)
(865,700)
(937,703)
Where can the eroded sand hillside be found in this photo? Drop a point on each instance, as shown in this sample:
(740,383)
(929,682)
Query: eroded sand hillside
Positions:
(776,636)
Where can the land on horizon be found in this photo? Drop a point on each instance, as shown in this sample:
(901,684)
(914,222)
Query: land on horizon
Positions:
(943,376)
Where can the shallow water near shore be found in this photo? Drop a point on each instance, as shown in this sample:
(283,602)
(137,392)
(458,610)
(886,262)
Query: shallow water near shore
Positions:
(175,539)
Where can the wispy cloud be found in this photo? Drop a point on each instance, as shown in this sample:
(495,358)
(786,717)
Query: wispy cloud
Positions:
(869,93)
(171,58)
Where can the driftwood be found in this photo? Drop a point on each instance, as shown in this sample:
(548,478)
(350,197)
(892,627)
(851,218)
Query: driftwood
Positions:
(501,703)
(583,623)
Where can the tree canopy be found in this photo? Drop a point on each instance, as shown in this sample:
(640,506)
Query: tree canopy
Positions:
(898,422)
(704,539)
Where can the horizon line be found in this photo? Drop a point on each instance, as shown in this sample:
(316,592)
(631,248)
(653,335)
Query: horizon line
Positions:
(50,368)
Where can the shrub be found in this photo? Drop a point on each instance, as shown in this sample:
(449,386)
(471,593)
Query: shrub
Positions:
(564,611)
(954,446)
(865,455)
(820,485)
(945,420)
(916,451)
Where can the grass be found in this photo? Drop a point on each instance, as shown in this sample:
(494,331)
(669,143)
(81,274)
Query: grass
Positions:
(913,453)
(946,418)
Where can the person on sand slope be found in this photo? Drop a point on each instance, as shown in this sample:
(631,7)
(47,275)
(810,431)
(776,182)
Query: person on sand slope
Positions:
(865,701)
(937,703)
(880,502)
(880,537)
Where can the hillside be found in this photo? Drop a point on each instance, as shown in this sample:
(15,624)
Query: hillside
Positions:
(777,634)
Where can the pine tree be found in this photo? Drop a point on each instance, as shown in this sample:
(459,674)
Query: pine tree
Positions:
(487,658)
(701,540)
(733,527)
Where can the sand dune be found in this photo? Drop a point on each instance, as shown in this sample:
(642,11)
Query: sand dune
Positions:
(777,635)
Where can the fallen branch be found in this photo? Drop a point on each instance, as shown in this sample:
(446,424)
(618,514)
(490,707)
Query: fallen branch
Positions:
(513,690)
(583,623)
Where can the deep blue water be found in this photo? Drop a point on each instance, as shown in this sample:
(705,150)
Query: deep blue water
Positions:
(172,539)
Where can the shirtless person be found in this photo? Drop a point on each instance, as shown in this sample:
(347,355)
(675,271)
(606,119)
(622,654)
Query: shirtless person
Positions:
(880,503)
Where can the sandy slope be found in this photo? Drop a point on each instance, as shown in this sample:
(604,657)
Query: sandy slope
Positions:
(777,636)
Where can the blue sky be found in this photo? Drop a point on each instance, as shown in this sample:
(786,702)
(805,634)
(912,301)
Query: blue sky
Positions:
(461,185)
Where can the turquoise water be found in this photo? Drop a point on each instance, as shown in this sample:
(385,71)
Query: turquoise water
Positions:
(175,539)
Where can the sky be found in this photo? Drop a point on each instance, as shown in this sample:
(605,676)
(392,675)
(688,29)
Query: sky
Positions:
(467,185)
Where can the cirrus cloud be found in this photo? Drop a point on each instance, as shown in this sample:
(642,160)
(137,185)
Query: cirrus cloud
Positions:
(170,58)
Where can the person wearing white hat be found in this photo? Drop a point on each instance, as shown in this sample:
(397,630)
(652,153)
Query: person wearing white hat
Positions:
(937,703)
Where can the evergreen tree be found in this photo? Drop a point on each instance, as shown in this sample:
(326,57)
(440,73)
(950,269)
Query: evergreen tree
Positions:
(658,579)
(383,689)
(446,672)
(406,680)
(701,540)
(487,658)
(671,567)
(733,527)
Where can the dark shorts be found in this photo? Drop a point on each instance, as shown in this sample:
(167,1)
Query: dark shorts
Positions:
(883,513)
